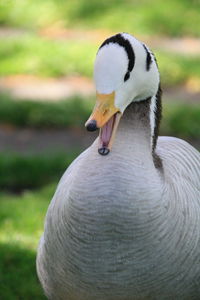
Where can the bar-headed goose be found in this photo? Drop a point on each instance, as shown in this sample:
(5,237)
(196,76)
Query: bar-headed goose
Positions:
(124,223)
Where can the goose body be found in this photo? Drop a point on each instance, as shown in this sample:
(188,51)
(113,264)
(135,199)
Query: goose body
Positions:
(126,226)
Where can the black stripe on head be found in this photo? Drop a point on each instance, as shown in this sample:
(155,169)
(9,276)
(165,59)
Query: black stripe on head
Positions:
(121,41)
(148,59)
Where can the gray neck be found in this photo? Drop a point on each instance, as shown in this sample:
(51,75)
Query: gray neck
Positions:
(135,129)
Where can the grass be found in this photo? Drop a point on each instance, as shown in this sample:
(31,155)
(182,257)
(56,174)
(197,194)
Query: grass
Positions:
(31,54)
(73,112)
(181,120)
(144,17)
(176,69)
(20,172)
(18,275)
(21,225)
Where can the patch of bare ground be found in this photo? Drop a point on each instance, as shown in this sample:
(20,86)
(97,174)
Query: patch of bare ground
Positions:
(33,141)
(41,89)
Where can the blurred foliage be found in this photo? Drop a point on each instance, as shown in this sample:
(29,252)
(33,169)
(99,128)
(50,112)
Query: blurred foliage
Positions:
(21,225)
(17,272)
(172,17)
(176,69)
(40,56)
(181,120)
(72,112)
(19,172)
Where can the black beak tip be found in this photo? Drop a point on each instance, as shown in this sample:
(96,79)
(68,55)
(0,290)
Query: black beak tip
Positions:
(103,151)
(92,125)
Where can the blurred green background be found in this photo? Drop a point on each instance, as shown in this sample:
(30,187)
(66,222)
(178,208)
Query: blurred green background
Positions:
(47,50)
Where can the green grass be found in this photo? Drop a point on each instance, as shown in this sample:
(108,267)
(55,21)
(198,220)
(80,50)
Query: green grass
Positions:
(31,54)
(181,120)
(35,55)
(21,225)
(20,172)
(73,112)
(176,69)
(18,279)
(143,17)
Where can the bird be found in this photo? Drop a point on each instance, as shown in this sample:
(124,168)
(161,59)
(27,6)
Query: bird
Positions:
(124,222)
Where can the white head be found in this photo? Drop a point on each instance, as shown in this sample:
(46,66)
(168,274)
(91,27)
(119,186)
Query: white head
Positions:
(125,71)
(121,54)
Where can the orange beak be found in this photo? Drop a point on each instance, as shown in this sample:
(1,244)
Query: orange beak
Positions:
(105,116)
(104,109)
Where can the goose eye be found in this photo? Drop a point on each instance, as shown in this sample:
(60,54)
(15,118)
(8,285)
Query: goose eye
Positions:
(127,75)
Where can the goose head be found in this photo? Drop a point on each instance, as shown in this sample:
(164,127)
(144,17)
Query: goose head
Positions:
(125,71)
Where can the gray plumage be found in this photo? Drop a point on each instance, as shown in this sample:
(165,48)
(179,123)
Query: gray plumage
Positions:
(121,227)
